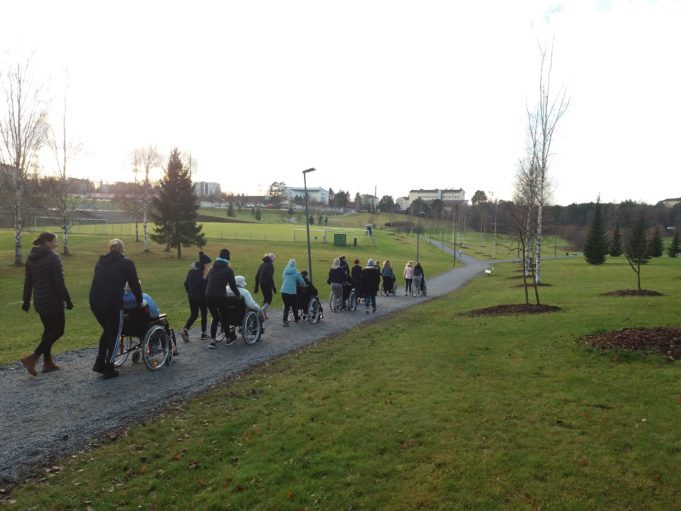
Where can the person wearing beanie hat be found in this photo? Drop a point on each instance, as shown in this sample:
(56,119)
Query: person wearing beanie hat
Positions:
(204,259)
(264,279)
(248,299)
(195,286)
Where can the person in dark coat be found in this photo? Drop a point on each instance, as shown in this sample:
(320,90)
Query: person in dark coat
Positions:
(195,286)
(44,279)
(371,278)
(112,272)
(219,277)
(356,276)
(264,279)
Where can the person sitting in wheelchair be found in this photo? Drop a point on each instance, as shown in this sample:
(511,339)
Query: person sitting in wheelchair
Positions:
(248,299)
(149,305)
(130,302)
(305,293)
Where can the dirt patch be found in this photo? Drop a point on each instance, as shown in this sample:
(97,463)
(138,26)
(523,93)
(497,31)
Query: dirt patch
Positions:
(664,340)
(515,308)
(632,292)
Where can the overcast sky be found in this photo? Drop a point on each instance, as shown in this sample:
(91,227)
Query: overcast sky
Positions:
(386,95)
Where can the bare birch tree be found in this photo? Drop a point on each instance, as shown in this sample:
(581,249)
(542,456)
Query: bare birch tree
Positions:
(542,120)
(63,150)
(147,158)
(23,130)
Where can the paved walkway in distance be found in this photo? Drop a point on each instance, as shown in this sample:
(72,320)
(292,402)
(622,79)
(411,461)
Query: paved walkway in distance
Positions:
(47,417)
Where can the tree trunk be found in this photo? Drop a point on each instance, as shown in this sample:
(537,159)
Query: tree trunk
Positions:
(527,296)
(537,255)
(137,230)
(638,276)
(18,222)
(65,236)
(145,201)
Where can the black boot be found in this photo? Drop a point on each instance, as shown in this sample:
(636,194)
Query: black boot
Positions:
(99,365)
(109,371)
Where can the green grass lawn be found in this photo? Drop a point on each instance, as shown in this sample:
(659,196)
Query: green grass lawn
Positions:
(456,412)
(162,276)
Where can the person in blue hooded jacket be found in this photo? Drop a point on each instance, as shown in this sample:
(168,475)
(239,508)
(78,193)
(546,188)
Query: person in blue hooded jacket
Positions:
(291,278)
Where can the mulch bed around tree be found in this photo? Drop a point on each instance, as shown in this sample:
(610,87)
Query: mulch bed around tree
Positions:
(664,340)
(515,308)
(632,292)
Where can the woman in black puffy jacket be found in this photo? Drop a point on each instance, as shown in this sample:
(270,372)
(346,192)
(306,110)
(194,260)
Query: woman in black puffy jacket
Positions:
(45,281)
(195,286)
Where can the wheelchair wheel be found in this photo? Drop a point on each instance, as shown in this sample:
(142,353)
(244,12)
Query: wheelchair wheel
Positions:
(352,300)
(127,344)
(334,305)
(250,330)
(136,357)
(314,308)
(156,347)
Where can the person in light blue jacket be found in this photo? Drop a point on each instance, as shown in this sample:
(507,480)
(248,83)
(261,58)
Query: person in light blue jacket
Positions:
(291,278)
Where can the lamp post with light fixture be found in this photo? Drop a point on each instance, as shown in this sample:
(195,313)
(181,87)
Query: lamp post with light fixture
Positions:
(307,223)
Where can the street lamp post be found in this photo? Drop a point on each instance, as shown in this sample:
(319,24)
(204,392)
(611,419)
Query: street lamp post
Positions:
(307,224)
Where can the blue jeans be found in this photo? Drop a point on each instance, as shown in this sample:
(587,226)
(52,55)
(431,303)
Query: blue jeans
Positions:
(370,300)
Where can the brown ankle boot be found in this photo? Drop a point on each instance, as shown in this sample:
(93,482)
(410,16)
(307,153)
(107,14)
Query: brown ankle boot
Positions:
(49,366)
(29,363)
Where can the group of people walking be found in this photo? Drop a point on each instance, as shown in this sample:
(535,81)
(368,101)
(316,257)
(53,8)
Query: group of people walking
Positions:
(208,284)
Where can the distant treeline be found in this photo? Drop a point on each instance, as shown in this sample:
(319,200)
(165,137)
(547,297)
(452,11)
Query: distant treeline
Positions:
(572,222)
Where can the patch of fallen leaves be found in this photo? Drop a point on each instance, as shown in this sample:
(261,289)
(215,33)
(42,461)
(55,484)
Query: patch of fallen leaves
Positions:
(632,292)
(515,308)
(664,340)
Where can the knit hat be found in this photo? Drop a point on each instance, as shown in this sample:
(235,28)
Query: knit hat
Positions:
(370,262)
(203,258)
(240,281)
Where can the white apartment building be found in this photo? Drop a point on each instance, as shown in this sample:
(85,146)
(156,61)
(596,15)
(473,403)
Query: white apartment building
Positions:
(319,195)
(206,189)
(403,203)
(431,195)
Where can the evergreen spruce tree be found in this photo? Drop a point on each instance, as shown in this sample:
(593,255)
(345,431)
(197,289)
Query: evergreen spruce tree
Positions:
(176,207)
(636,248)
(596,245)
(616,243)
(258,214)
(656,245)
(675,247)
(230,210)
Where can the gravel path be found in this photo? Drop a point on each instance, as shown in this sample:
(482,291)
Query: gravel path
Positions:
(47,417)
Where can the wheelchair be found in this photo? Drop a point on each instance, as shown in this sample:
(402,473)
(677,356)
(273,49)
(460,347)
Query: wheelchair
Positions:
(147,339)
(308,304)
(389,286)
(239,318)
(350,299)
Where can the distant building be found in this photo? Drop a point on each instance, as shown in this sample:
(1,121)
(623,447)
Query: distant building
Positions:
(670,203)
(369,201)
(431,195)
(206,189)
(318,195)
(402,203)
